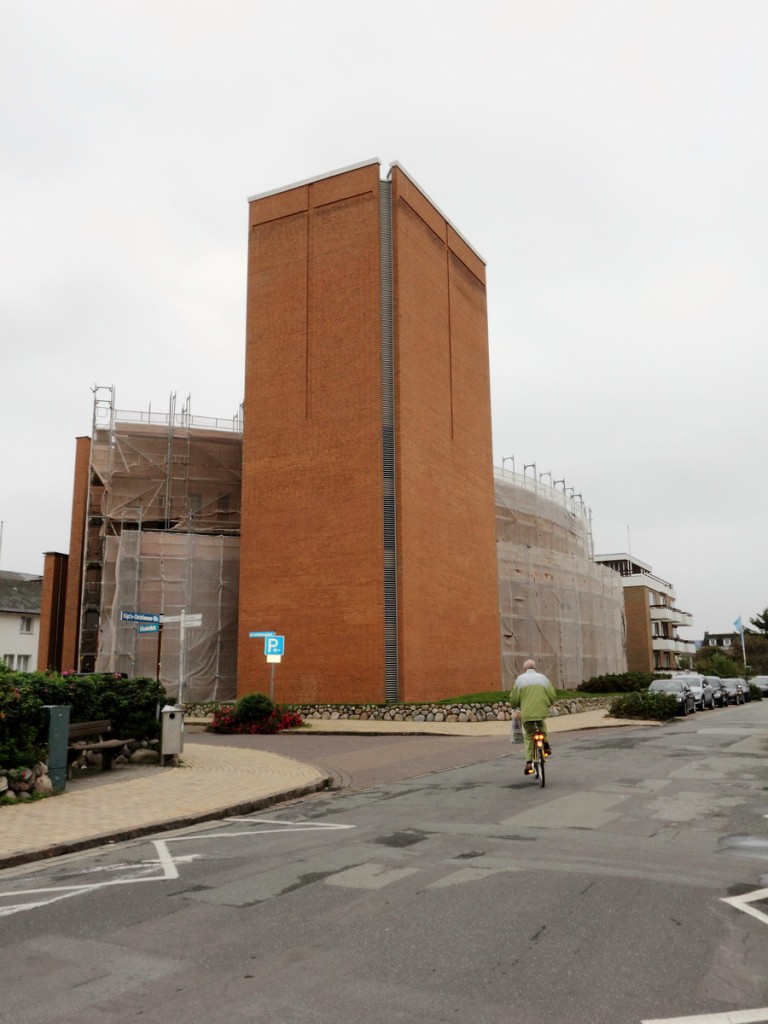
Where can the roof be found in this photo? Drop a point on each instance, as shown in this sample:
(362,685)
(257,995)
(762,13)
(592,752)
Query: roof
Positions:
(20,592)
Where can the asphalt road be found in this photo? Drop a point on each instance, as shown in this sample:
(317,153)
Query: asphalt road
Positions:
(458,894)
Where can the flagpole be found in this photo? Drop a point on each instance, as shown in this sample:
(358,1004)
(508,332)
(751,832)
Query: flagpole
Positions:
(740,626)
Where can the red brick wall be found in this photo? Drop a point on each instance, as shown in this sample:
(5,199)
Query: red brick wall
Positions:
(448,576)
(639,642)
(312,527)
(76,554)
(52,611)
(312,530)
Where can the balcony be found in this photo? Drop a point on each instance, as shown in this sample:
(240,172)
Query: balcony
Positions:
(675,646)
(674,616)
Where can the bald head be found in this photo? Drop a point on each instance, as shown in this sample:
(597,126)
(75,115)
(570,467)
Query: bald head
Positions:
(529,664)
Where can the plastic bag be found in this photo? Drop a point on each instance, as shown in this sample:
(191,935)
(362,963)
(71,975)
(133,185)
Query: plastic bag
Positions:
(517,730)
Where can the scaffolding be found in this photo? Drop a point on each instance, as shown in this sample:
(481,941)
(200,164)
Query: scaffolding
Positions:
(556,604)
(162,537)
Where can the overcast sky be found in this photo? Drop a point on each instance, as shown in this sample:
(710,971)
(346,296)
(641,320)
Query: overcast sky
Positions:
(607,158)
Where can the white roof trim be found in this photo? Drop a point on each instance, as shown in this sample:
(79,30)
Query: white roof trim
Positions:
(426,195)
(319,177)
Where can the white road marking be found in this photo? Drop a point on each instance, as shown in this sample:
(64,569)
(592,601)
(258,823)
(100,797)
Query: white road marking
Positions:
(734,1017)
(743,903)
(166,861)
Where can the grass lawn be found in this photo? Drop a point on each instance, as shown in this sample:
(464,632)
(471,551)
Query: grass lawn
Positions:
(490,698)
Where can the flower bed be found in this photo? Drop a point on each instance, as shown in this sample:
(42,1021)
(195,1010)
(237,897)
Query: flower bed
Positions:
(225,720)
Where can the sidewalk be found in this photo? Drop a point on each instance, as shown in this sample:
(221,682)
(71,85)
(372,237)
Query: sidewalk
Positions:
(560,723)
(213,782)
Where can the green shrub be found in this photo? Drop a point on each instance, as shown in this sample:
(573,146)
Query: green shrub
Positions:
(656,706)
(131,704)
(254,713)
(22,723)
(253,708)
(624,682)
(755,692)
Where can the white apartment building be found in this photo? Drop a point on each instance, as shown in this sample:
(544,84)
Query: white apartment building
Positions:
(19,619)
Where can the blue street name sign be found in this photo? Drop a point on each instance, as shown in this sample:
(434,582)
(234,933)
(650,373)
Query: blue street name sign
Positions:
(274,645)
(149,627)
(264,632)
(139,617)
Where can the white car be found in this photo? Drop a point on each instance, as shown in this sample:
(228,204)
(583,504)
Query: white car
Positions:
(761,682)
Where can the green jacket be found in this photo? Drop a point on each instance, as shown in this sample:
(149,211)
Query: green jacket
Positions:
(533,694)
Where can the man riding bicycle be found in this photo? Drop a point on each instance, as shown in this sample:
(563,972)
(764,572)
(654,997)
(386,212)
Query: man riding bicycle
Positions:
(533,695)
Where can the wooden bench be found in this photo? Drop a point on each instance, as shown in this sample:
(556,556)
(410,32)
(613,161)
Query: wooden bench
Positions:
(95,736)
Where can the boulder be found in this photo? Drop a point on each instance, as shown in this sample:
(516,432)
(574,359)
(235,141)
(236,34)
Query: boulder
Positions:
(144,756)
(43,784)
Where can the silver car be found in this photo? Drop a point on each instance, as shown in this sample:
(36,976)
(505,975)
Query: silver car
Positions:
(761,682)
(703,693)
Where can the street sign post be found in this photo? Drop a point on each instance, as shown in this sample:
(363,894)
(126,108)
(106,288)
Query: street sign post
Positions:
(274,647)
(148,622)
(151,623)
(140,617)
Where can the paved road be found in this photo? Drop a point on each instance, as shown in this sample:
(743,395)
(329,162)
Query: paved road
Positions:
(358,762)
(465,894)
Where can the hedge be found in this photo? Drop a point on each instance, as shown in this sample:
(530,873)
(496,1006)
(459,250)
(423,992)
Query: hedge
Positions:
(623,682)
(131,705)
(656,706)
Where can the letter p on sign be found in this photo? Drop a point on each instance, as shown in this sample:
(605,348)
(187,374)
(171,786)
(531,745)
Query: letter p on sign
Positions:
(274,645)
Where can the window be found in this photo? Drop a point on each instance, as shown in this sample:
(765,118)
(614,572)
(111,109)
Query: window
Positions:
(8,659)
(26,624)
(712,643)
(22,663)
(726,641)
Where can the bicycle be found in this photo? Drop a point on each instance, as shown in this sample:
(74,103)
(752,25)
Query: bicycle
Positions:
(539,756)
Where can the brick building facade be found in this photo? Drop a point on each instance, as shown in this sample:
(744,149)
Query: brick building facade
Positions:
(368,534)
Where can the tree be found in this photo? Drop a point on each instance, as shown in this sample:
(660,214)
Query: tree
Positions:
(756,646)
(760,622)
(713,661)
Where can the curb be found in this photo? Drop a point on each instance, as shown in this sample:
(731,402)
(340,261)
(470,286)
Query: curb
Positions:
(13,860)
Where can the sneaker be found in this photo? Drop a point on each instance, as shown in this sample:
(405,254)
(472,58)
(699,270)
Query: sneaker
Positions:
(547,750)
(528,770)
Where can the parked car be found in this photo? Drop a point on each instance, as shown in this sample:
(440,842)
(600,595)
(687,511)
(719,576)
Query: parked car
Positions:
(679,689)
(719,692)
(745,687)
(702,691)
(761,682)
(735,691)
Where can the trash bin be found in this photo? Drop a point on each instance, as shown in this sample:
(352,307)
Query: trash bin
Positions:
(171,730)
(58,741)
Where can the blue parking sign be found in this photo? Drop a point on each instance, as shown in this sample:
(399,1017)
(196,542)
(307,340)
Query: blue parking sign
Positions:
(274,645)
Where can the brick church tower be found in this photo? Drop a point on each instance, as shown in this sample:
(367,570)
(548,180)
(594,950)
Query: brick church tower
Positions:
(368,535)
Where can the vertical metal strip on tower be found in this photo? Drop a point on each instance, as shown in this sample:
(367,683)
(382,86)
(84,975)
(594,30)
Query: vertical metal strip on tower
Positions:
(392,689)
